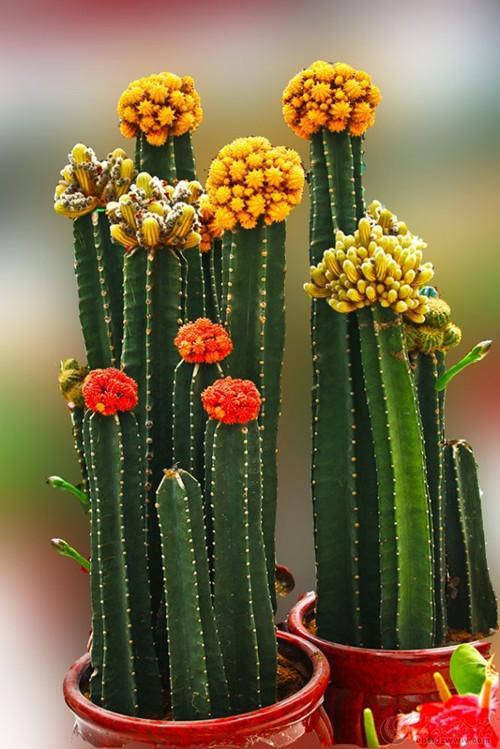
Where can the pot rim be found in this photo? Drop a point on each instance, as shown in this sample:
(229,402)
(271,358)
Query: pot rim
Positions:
(308,600)
(286,711)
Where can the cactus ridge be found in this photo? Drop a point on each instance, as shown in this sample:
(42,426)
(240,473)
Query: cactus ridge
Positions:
(77,415)
(126,626)
(428,367)
(232,584)
(93,294)
(197,680)
(472,603)
(210,282)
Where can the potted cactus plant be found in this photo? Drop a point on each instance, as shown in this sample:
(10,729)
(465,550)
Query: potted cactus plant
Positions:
(400,558)
(174,418)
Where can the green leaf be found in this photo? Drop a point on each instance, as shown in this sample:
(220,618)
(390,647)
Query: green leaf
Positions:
(468,669)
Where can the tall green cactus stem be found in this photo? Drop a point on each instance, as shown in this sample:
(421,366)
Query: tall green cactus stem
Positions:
(198,685)
(255,317)
(211,262)
(156,160)
(334,467)
(241,594)
(471,601)
(406,570)
(77,415)
(125,675)
(190,419)
(428,368)
(98,275)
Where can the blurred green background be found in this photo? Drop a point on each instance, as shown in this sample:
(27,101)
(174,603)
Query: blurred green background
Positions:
(433,158)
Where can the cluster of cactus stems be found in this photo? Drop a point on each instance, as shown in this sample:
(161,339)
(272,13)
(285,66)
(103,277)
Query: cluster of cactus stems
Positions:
(393,531)
(178,462)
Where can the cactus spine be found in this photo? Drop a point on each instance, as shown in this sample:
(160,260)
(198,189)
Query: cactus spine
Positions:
(242,600)
(472,603)
(125,675)
(198,685)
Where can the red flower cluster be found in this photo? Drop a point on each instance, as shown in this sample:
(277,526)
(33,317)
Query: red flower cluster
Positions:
(460,721)
(203,341)
(107,391)
(232,401)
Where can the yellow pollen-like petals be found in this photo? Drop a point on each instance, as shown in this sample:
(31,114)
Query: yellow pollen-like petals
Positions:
(151,231)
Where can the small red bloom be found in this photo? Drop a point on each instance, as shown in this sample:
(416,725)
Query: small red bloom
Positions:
(460,721)
(232,401)
(107,391)
(203,341)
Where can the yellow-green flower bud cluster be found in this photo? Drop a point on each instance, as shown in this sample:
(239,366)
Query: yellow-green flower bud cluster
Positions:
(71,378)
(154,213)
(437,333)
(381,263)
(87,183)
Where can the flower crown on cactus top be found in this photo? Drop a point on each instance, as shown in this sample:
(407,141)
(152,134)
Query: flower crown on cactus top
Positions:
(203,342)
(251,179)
(87,183)
(337,97)
(155,213)
(108,391)
(209,228)
(232,401)
(381,262)
(159,106)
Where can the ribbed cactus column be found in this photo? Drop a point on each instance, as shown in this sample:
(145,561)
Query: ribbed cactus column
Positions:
(125,676)
(202,345)
(241,594)
(86,186)
(427,344)
(162,111)
(153,222)
(318,104)
(198,685)
(472,604)
(252,187)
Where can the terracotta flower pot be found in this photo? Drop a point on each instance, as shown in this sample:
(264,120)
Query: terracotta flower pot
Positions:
(296,721)
(387,681)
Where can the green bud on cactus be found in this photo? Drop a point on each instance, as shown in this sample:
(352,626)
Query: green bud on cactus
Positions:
(438,313)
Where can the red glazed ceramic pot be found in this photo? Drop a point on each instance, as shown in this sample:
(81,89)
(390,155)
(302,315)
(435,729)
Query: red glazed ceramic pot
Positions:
(298,721)
(387,681)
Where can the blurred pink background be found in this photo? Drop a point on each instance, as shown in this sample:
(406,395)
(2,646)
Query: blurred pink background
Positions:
(433,157)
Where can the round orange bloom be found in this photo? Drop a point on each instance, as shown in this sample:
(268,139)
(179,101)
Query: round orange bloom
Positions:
(250,179)
(159,106)
(232,401)
(336,97)
(107,391)
(203,342)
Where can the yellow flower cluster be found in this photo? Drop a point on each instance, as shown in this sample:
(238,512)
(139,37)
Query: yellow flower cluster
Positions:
(437,332)
(251,179)
(158,106)
(87,183)
(71,378)
(154,213)
(381,263)
(335,97)
(209,229)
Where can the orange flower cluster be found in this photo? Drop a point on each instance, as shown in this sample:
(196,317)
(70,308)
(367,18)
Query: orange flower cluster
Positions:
(250,179)
(336,97)
(158,106)
(209,229)
(203,342)
(232,401)
(107,391)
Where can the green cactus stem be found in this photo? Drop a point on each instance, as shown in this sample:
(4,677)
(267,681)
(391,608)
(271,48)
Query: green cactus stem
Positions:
(241,593)
(98,273)
(190,419)
(475,355)
(198,686)
(334,459)
(370,730)
(406,571)
(255,317)
(77,415)
(428,368)
(471,601)
(59,483)
(212,268)
(65,550)
(156,160)
(125,675)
